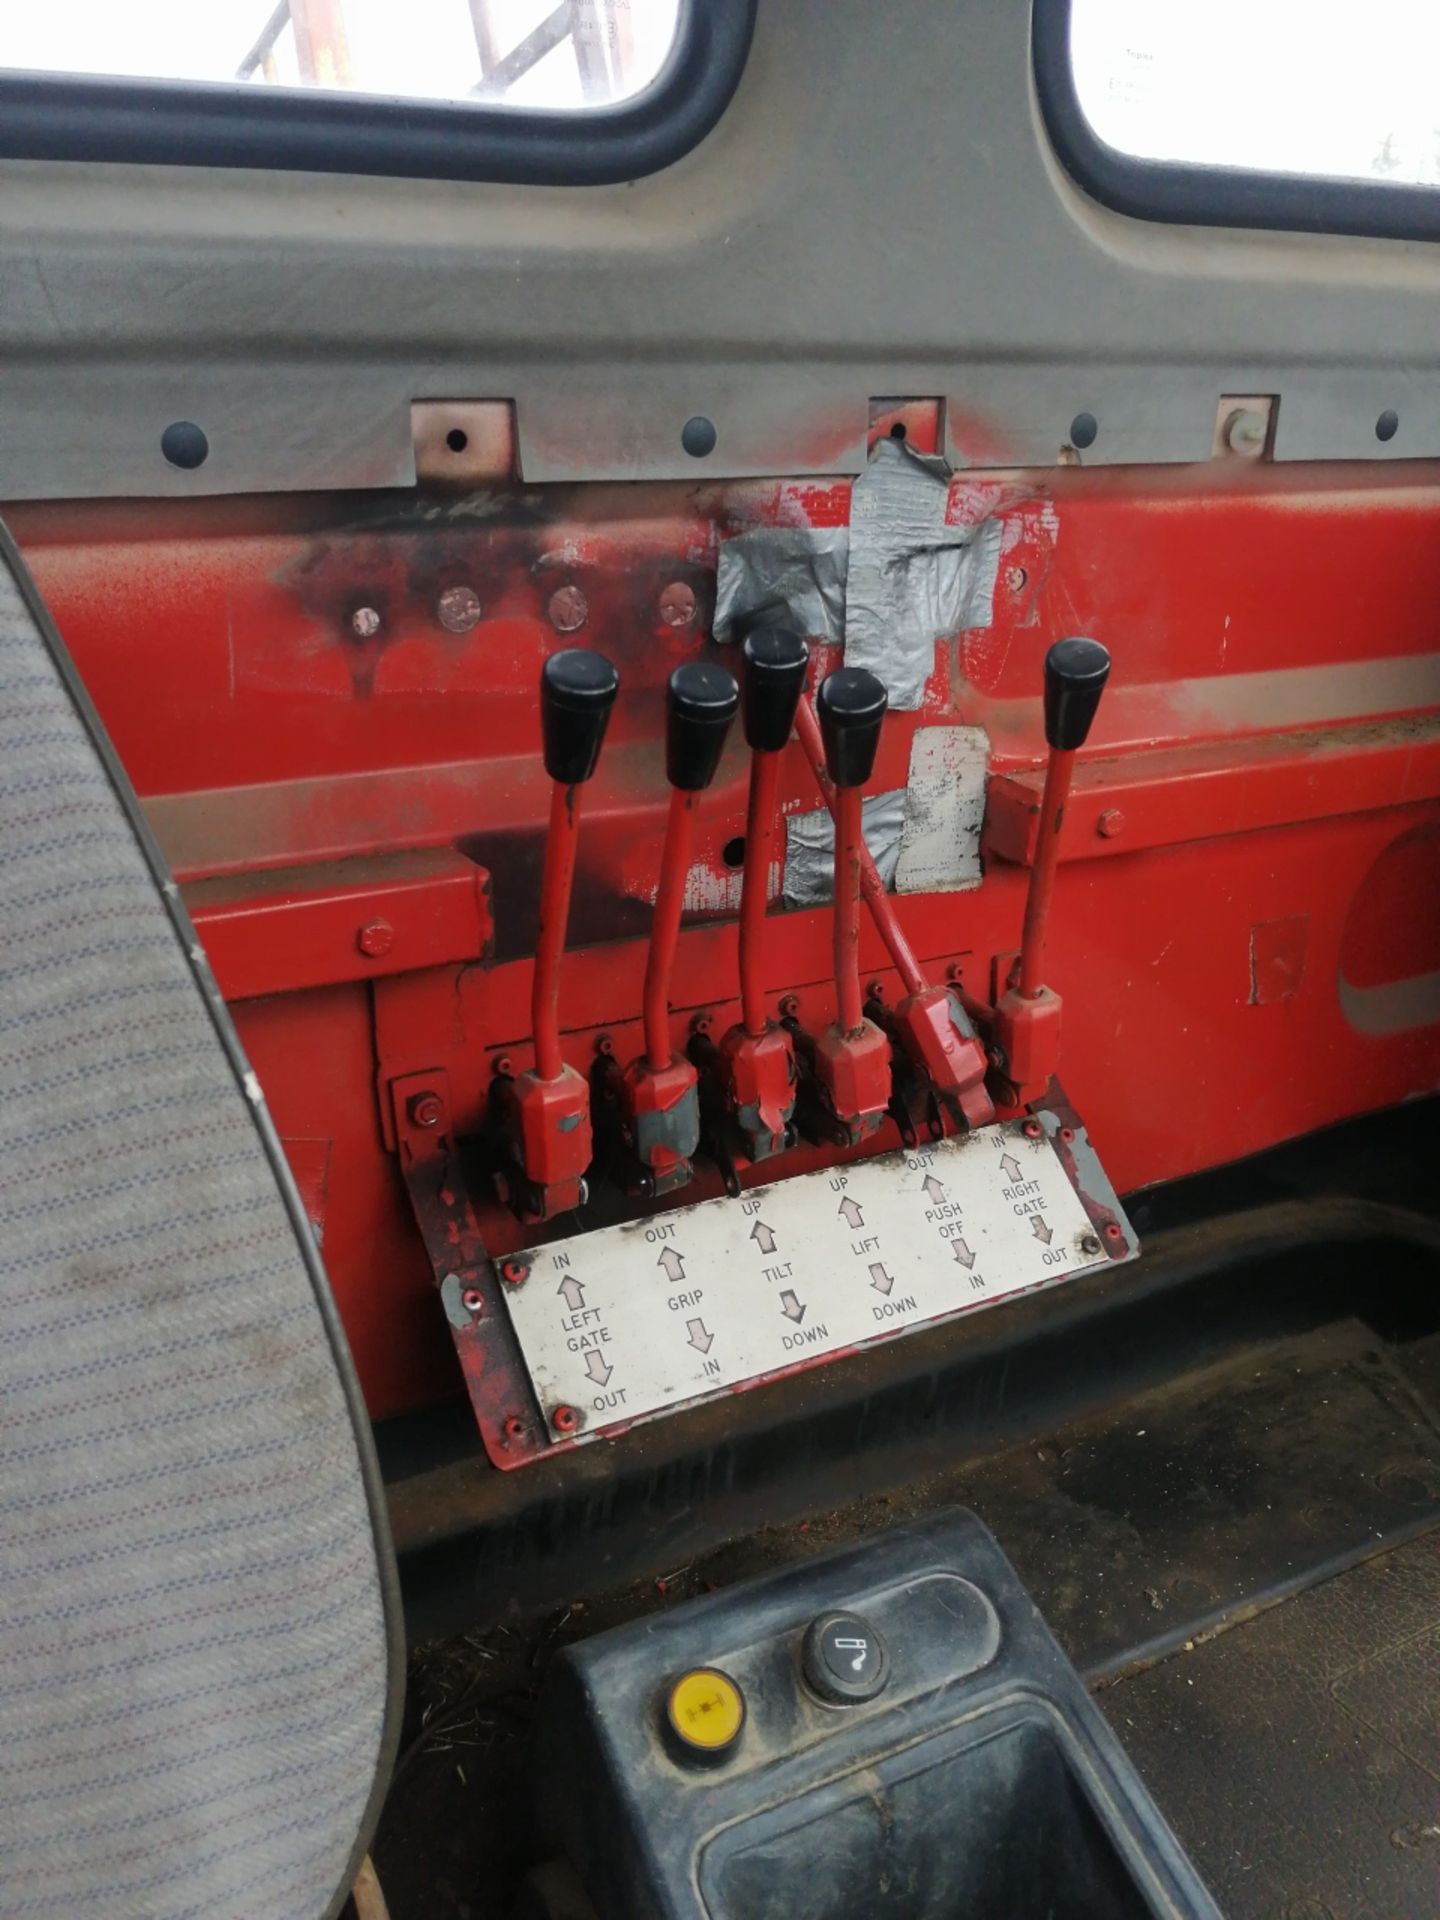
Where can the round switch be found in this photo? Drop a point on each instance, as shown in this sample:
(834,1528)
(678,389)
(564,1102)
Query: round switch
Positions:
(705,1711)
(844,1659)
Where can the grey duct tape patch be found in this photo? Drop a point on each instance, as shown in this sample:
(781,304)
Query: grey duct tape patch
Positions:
(913,579)
(783,576)
(944,811)
(810,847)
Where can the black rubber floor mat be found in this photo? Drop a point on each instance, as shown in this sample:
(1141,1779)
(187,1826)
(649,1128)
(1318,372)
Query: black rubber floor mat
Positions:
(1298,1757)
(1220,1494)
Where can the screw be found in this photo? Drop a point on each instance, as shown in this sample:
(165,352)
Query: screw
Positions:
(564,1419)
(514,1428)
(1245,431)
(365,623)
(502,1067)
(458,609)
(1089,1244)
(472,1299)
(376,937)
(424,1109)
(569,609)
(1111,822)
(790,1006)
(1032,1129)
(1015,579)
(677,604)
(514,1272)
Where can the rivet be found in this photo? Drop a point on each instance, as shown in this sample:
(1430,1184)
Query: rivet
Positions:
(564,1419)
(365,623)
(569,609)
(458,609)
(677,604)
(1245,431)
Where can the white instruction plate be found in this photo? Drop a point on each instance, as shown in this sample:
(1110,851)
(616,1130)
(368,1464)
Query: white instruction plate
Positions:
(626,1322)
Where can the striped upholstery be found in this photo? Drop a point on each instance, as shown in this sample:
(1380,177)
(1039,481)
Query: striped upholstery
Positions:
(195,1631)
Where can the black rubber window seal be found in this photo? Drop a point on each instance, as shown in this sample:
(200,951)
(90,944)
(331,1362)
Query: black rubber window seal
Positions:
(1191,195)
(46,116)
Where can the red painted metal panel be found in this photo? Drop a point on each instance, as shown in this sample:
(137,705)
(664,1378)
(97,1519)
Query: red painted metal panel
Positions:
(283,930)
(1270,737)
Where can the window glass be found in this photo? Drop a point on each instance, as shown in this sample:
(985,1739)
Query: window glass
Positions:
(523,53)
(1312,87)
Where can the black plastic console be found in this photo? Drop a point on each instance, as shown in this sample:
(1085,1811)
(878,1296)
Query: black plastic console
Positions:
(888,1732)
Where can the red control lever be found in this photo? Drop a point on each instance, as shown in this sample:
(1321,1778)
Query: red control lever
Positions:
(1027,1019)
(547,1111)
(851,1058)
(931,1023)
(758,1057)
(662,1110)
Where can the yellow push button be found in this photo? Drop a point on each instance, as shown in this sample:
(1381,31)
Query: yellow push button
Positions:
(705,1711)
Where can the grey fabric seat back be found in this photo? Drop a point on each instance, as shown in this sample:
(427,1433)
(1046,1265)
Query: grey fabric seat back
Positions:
(198,1628)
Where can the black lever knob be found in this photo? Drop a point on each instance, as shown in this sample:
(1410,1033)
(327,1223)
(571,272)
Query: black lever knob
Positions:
(1075,676)
(775,663)
(577,691)
(852,704)
(700,703)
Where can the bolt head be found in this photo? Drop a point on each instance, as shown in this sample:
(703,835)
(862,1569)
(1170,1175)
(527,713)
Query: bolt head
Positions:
(375,938)
(1110,824)
(458,609)
(424,1109)
(677,604)
(569,609)
(365,622)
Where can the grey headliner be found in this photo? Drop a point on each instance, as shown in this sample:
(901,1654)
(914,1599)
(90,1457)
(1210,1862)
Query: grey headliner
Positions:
(877,213)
